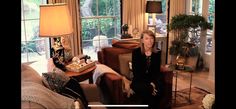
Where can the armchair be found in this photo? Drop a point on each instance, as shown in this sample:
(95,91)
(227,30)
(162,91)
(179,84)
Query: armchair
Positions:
(117,58)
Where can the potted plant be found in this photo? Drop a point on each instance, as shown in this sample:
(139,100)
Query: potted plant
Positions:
(186,30)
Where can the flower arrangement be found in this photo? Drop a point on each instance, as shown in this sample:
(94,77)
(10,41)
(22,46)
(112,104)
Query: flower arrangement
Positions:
(208,101)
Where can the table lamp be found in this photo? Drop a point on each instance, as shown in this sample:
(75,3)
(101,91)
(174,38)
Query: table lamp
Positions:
(153,7)
(55,22)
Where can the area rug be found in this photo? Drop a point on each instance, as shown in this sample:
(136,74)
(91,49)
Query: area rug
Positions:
(197,95)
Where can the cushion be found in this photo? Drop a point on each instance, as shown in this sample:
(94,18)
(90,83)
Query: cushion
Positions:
(29,74)
(55,80)
(39,66)
(111,57)
(47,98)
(124,60)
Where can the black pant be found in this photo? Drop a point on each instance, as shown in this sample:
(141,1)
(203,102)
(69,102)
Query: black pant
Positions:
(73,90)
(153,102)
(143,95)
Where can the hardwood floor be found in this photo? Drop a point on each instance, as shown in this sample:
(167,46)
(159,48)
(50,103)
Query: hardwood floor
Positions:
(199,79)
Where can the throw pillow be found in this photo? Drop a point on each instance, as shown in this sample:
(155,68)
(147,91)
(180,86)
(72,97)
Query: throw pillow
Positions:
(124,60)
(55,80)
(29,74)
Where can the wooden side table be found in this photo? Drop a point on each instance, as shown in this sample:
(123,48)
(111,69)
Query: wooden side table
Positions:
(83,75)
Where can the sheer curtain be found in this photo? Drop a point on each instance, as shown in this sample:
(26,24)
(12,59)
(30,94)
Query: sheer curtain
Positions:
(134,14)
(75,39)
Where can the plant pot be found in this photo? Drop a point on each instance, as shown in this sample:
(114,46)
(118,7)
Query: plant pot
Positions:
(192,62)
(189,61)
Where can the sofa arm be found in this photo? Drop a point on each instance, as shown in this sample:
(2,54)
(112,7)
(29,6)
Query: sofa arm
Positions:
(91,92)
(31,105)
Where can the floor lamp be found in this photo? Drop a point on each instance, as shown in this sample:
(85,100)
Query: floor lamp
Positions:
(55,22)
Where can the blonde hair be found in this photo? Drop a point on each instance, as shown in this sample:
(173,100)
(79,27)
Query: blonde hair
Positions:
(149,33)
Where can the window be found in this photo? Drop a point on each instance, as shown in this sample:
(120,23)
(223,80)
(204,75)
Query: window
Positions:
(160,20)
(33,48)
(197,9)
(100,22)
(211,17)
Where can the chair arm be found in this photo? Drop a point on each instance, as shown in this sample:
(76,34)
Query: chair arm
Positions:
(168,74)
(91,92)
(100,57)
(111,86)
(168,78)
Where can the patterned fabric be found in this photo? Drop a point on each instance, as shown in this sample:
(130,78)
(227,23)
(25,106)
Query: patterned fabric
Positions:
(37,93)
(55,80)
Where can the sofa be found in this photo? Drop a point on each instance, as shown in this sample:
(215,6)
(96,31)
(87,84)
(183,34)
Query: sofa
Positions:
(30,77)
(118,58)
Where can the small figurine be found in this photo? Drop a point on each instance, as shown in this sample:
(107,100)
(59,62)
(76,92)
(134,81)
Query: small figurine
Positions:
(125,33)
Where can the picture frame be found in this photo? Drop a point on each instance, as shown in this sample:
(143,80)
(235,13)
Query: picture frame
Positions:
(152,28)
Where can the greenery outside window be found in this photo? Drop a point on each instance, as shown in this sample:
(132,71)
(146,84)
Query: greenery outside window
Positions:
(33,48)
(211,18)
(100,22)
(197,9)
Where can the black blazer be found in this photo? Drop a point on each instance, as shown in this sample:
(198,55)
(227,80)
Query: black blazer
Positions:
(141,80)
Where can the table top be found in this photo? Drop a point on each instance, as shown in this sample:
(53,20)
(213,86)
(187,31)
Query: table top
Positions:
(71,73)
(186,68)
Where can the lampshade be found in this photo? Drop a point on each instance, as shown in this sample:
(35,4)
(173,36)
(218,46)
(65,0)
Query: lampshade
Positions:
(153,7)
(55,20)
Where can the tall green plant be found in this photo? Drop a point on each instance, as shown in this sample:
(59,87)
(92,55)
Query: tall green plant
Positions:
(181,25)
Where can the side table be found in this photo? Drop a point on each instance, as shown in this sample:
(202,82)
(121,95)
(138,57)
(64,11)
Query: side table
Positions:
(190,84)
(83,75)
(186,69)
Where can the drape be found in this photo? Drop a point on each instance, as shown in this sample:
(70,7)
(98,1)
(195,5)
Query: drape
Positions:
(134,14)
(176,7)
(75,37)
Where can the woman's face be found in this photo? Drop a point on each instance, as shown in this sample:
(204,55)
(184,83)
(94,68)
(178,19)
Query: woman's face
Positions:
(148,41)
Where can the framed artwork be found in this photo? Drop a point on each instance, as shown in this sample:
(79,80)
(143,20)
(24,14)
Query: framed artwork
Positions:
(152,28)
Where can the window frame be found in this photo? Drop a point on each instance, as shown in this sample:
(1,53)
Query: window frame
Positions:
(98,29)
(42,44)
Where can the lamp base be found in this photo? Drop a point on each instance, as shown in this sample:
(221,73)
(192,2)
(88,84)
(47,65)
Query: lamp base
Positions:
(59,64)
(58,57)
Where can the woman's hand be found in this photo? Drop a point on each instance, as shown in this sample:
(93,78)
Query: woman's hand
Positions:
(154,91)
